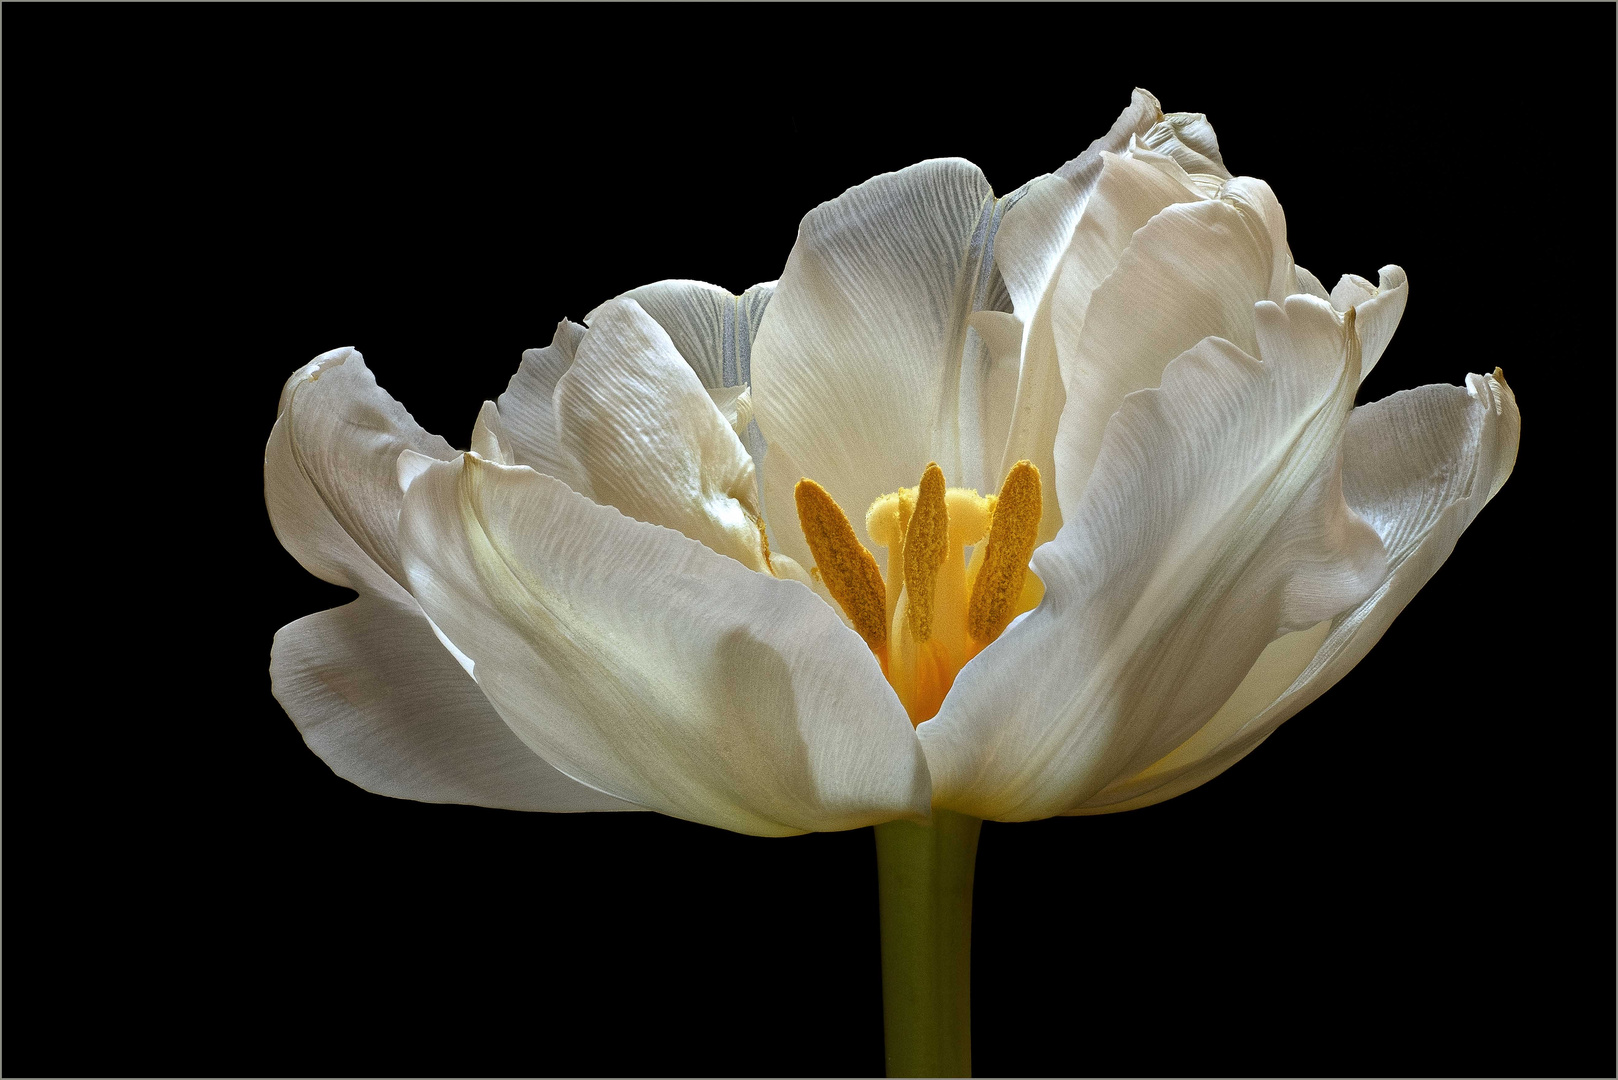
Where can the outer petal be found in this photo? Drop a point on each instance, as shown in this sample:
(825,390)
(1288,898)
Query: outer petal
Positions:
(1418,466)
(651,440)
(329,472)
(1033,236)
(529,413)
(1193,271)
(857,372)
(382,702)
(642,663)
(1215,520)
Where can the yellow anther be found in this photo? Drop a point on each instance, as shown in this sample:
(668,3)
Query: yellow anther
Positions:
(842,563)
(1012,534)
(926,544)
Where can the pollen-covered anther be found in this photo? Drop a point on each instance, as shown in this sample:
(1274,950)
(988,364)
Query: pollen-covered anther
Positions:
(926,544)
(843,564)
(1012,533)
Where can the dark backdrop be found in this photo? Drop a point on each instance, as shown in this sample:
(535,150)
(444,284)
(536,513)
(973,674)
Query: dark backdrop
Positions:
(1415,875)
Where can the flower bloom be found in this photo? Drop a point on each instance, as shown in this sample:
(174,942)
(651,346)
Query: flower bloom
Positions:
(1052,503)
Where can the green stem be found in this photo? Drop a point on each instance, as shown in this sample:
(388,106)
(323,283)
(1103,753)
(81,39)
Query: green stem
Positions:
(924,885)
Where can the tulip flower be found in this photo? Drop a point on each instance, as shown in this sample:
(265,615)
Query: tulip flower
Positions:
(990,508)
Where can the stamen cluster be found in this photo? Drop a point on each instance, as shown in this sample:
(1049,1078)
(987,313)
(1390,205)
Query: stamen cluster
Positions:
(934,609)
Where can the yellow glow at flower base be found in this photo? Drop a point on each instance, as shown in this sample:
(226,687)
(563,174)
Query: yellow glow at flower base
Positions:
(934,610)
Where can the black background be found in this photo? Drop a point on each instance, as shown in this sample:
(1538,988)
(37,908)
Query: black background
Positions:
(1414,876)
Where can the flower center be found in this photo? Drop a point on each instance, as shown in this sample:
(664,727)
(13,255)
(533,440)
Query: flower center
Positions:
(935,609)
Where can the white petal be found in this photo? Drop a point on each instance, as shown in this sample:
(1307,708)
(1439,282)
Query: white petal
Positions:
(1001,334)
(735,404)
(1413,456)
(1308,283)
(857,371)
(714,331)
(1418,466)
(489,438)
(711,327)
(786,535)
(1193,271)
(1204,185)
(1378,309)
(330,477)
(1035,414)
(1192,762)
(1215,521)
(412,465)
(1189,139)
(528,410)
(1128,195)
(650,439)
(644,664)
(1256,199)
(1351,289)
(1037,227)
(376,695)
(1035,231)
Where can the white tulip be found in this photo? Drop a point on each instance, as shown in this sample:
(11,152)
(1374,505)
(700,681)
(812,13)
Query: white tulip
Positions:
(611,602)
